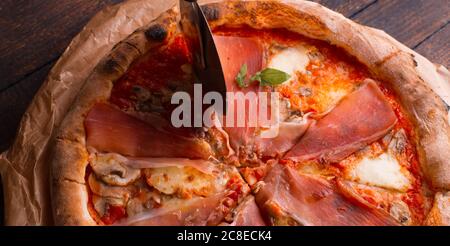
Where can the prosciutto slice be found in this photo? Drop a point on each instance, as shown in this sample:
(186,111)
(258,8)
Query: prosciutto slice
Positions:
(359,119)
(288,195)
(111,130)
(248,214)
(234,52)
(194,212)
(288,135)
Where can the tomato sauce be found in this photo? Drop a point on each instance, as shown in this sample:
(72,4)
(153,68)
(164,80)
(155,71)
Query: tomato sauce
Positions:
(154,71)
(113,214)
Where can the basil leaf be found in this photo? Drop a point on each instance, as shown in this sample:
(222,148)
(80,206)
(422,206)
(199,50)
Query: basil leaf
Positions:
(266,77)
(240,78)
(272,76)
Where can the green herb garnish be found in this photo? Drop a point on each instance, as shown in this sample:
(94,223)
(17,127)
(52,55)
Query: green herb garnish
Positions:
(240,78)
(270,77)
(265,77)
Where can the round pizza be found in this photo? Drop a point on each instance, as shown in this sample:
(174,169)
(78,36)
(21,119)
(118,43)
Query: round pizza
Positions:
(361,138)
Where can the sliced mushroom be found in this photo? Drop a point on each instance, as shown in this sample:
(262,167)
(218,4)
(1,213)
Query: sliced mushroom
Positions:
(400,211)
(146,200)
(101,203)
(112,170)
(100,188)
(398,142)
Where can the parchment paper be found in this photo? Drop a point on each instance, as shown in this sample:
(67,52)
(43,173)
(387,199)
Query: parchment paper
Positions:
(25,166)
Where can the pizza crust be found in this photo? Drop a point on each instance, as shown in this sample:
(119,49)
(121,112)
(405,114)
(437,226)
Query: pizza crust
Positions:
(385,58)
(69,209)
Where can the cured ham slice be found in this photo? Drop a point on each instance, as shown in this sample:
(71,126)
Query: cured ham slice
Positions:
(194,212)
(292,198)
(288,135)
(111,130)
(234,52)
(359,119)
(248,214)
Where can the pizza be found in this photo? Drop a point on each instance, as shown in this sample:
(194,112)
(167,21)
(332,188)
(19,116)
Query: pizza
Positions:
(361,138)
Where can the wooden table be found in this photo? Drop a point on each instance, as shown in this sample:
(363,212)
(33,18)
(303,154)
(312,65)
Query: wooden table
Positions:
(34,33)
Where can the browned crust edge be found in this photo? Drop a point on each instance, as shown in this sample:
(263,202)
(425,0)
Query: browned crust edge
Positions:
(70,158)
(383,56)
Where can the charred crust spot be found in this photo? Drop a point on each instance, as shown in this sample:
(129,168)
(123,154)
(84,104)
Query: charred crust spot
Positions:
(414,60)
(211,13)
(110,65)
(114,63)
(156,32)
(120,58)
(133,46)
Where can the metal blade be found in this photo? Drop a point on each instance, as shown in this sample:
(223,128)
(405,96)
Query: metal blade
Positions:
(206,59)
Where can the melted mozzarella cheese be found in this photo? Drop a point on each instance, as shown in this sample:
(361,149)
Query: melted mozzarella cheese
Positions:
(290,60)
(335,95)
(383,171)
(185,181)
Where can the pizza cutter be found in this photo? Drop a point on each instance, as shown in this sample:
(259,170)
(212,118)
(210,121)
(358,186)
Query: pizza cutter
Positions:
(207,64)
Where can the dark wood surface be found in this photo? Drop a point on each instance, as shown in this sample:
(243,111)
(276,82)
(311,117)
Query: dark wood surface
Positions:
(34,33)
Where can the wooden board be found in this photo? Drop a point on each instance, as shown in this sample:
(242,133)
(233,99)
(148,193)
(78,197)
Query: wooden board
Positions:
(36,32)
(437,47)
(15,101)
(409,21)
(348,8)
